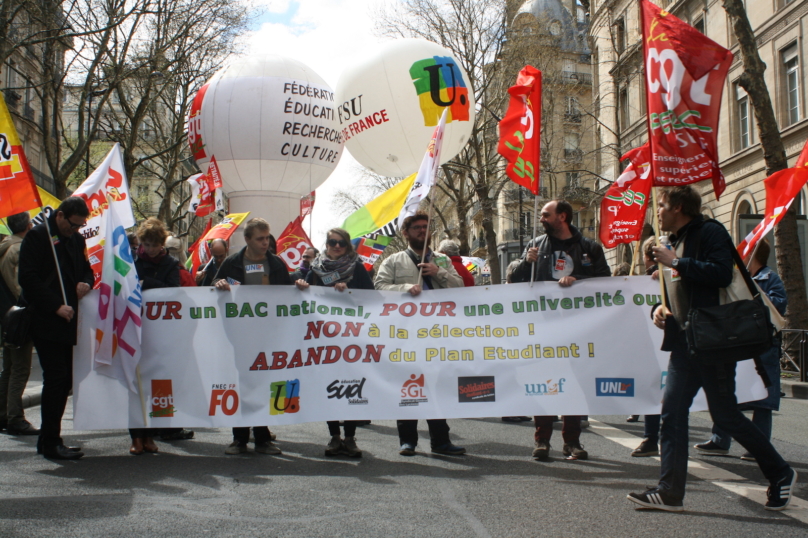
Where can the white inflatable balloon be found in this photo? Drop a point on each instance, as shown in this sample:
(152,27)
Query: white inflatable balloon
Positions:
(389,105)
(270,121)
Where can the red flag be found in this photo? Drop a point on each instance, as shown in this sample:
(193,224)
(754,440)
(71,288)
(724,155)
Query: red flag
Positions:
(684,80)
(782,188)
(206,191)
(17,187)
(200,251)
(307,204)
(195,125)
(622,211)
(520,130)
(292,243)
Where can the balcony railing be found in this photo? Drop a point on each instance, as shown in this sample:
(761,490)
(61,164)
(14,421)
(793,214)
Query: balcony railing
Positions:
(572,117)
(575,77)
(12,99)
(478,243)
(573,155)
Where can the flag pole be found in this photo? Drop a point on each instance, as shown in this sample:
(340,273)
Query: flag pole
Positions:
(656,231)
(428,236)
(535,233)
(56,260)
(634,258)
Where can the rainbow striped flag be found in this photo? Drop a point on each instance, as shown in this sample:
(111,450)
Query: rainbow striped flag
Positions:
(380,211)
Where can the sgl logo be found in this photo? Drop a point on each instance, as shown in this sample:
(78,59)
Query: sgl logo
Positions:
(162,398)
(412,392)
(615,386)
(223,396)
(547,388)
(440,84)
(350,389)
(284,397)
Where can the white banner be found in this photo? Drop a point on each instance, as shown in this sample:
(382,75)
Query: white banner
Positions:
(276,355)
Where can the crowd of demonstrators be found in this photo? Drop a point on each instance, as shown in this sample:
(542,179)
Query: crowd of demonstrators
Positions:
(303,269)
(702,260)
(16,360)
(452,251)
(772,286)
(415,270)
(253,265)
(206,273)
(341,268)
(565,256)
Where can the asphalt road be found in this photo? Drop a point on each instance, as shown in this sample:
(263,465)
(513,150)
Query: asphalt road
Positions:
(193,489)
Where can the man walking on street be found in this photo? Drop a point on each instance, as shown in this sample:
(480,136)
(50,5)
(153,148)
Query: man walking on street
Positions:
(16,361)
(54,323)
(564,255)
(400,272)
(700,264)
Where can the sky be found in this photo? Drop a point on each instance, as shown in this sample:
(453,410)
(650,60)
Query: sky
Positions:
(326,35)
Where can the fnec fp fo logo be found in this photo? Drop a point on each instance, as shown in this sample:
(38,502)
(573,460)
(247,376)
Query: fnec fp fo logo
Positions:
(615,386)
(284,397)
(412,392)
(225,397)
(162,398)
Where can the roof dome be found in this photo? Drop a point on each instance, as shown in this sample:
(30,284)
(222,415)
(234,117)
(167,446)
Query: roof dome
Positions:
(554,19)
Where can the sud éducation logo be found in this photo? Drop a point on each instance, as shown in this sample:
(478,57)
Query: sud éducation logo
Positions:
(547,388)
(615,386)
(476,389)
(412,392)
(284,397)
(162,398)
(349,389)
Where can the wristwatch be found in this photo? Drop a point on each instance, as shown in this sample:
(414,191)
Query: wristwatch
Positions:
(675,263)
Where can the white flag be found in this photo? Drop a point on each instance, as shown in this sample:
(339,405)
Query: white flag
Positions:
(426,173)
(117,321)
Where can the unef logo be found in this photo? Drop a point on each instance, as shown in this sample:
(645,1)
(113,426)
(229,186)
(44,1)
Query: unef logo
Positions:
(224,396)
(545,389)
(615,386)
(162,398)
(412,392)
(284,397)
(440,84)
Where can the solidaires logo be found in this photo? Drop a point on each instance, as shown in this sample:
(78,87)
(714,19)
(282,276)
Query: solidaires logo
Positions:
(615,386)
(476,389)
(548,388)
(284,397)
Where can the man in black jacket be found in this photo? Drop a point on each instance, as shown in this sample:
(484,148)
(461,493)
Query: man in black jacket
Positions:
(698,265)
(564,255)
(54,323)
(253,265)
(206,273)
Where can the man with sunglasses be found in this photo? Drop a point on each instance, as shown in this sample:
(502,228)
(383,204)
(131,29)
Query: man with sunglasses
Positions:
(54,323)
(252,265)
(400,272)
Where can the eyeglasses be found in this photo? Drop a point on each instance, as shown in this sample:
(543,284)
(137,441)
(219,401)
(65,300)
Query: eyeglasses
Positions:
(419,228)
(75,226)
(337,242)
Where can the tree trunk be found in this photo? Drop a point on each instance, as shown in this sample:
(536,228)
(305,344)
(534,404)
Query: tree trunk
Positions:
(789,259)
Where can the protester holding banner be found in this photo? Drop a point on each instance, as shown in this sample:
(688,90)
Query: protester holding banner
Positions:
(702,260)
(53,290)
(303,269)
(253,265)
(206,273)
(564,255)
(339,267)
(413,271)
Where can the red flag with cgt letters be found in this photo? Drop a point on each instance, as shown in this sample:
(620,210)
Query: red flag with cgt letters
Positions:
(622,211)
(520,130)
(292,243)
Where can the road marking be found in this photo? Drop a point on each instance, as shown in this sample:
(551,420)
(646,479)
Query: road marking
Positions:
(797,508)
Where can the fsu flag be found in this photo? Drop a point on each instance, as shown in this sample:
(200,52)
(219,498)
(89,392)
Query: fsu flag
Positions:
(225,229)
(292,243)
(206,191)
(684,79)
(307,204)
(781,189)
(17,187)
(200,251)
(520,130)
(622,211)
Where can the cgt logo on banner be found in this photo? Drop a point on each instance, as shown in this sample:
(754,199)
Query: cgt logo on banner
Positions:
(476,389)
(412,392)
(545,389)
(348,388)
(440,84)
(225,397)
(162,398)
(615,386)
(284,397)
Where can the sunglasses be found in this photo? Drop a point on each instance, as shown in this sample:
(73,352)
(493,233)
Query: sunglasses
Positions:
(337,242)
(74,225)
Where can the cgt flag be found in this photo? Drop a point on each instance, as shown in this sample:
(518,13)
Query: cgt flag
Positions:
(781,189)
(292,243)
(18,191)
(520,130)
(307,204)
(200,252)
(225,229)
(206,191)
(684,79)
(622,211)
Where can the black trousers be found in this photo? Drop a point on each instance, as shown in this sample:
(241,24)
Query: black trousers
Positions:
(349,425)
(438,431)
(261,433)
(56,359)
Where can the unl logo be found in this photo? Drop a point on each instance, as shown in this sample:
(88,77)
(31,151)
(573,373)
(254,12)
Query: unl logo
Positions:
(224,396)
(284,397)
(440,84)
(615,386)
(162,398)
(412,392)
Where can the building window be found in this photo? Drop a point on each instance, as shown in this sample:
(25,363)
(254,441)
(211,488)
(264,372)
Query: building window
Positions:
(572,179)
(698,24)
(620,35)
(791,70)
(622,105)
(744,120)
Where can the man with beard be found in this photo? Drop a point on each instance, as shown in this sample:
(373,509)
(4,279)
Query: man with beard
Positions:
(207,272)
(565,256)
(303,269)
(400,272)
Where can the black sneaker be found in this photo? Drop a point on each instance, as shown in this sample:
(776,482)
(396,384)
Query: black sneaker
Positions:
(711,449)
(179,435)
(448,449)
(646,449)
(779,494)
(656,500)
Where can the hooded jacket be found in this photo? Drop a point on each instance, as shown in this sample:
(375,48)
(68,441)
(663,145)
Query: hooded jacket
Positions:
(587,257)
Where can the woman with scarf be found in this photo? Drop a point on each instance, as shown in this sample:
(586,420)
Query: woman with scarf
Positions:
(340,268)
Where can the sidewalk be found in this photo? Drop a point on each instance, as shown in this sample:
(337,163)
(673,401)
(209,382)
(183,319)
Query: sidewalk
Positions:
(794,388)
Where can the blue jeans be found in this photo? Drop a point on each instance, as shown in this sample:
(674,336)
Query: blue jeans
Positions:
(685,377)
(652,428)
(762,418)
